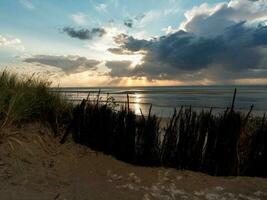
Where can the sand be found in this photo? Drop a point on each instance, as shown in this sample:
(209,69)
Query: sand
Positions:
(33,165)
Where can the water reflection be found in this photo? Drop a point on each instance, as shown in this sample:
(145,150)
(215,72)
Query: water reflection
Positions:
(165,99)
(137,103)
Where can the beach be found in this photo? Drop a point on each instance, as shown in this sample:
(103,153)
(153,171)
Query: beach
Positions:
(51,149)
(126,99)
(33,165)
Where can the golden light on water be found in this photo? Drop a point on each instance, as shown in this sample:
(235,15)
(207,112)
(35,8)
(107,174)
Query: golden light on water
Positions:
(137,98)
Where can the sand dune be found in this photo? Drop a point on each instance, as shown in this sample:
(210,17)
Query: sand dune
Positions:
(33,165)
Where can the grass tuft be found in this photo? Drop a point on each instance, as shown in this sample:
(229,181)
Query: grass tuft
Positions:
(27,99)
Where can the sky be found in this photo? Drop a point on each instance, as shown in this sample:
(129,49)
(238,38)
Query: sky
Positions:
(135,42)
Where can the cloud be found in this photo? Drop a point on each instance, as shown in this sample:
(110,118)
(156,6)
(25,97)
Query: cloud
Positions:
(135,20)
(11,43)
(119,68)
(149,17)
(129,43)
(84,34)
(143,19)
(8,41)
(238,52)
(169,30)
(27,4)
(219,43)
(68,64)
(128,23)
(119,51)
(79,18)
(208,20)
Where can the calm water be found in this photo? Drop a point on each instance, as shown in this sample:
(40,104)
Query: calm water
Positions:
(165,99)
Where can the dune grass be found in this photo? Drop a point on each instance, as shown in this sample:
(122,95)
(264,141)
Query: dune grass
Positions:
(120,133)
(227,144)
(27,99)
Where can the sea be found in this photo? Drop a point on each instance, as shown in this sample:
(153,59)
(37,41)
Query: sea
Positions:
(165,99)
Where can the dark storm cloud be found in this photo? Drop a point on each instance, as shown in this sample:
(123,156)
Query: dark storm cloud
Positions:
(68,64)
(238,50)
(130,43)
(119,68)
(84,34)
(128,23)
(260,35)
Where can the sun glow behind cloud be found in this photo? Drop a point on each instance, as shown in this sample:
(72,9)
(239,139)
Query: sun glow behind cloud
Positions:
(129,44)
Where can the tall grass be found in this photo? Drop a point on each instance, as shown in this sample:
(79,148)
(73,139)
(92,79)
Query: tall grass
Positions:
(227,144)
(128,137)
(27,99)
(231,143)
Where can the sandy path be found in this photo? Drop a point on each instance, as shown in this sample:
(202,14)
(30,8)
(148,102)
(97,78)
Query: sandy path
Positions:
(34,166)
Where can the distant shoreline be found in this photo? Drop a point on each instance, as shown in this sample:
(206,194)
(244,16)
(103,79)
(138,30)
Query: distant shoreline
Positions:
(180,86)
